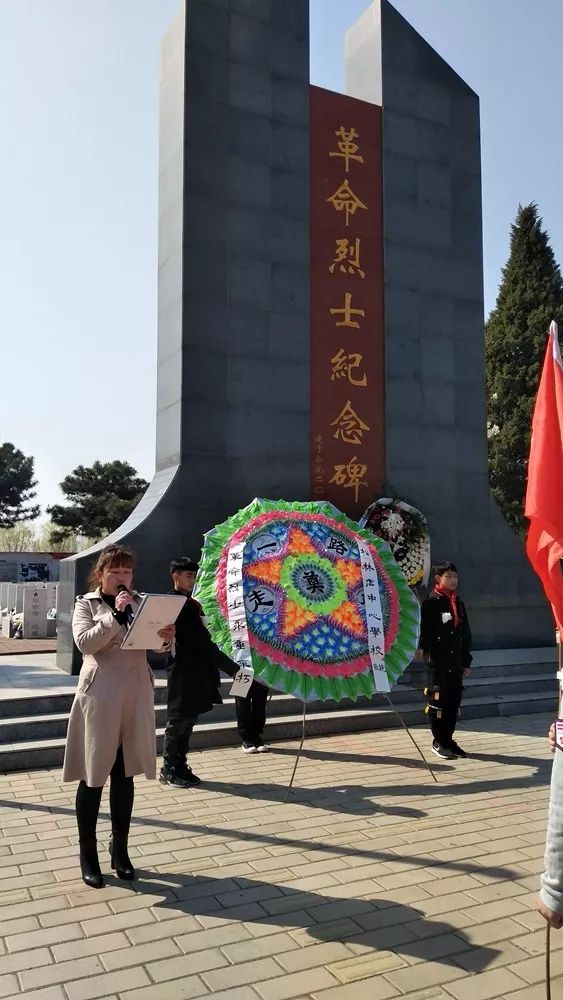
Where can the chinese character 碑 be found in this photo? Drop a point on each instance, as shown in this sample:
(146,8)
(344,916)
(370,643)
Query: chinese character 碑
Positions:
(348,148)
(350,476)
(347,257)
(349,426)
(344,200)
(343,366)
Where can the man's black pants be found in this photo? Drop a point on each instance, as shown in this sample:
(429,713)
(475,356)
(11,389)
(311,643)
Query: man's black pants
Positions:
(177,737)
(251,714)
(443,712)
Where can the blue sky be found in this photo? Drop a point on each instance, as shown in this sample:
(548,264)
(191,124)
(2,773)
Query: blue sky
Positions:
(78,175)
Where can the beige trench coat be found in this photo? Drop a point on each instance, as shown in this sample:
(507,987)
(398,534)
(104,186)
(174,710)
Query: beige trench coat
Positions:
(114,700)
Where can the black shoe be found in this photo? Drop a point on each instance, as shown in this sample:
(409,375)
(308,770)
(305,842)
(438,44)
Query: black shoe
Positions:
(90,866)
(441,751)
(183,779)
(457,750)
(189,775)
(120,860)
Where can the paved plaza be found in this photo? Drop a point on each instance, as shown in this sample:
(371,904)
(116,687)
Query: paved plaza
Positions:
(371,882)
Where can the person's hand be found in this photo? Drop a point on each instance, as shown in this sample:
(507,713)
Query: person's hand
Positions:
(466,672)
(419,656)
(554,920)
(551,737)
(123,600)
(167,634)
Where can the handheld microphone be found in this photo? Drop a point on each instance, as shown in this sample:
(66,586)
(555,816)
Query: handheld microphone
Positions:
(128,611)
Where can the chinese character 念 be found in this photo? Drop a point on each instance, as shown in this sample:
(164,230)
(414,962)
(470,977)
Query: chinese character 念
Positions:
(348,148)
(350,476)
(349,426)
(347,312)
(343,366)
(344,200)
(347,257)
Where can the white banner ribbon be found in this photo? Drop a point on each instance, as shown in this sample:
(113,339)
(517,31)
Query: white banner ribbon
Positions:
(240,641)
(374,619)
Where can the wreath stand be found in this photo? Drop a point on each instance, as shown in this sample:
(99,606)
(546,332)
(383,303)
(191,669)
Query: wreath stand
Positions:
(397,715)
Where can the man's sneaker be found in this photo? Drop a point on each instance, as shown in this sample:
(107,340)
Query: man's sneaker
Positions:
(187,773)
(184,778)
(457,750)
(442,752)
(261,747)
(249,748)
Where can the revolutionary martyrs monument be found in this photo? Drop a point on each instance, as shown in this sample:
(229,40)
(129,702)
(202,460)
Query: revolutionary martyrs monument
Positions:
(320,320)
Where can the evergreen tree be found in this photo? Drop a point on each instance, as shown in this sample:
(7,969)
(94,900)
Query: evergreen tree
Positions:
(17,487)
(529,298)
(100,497)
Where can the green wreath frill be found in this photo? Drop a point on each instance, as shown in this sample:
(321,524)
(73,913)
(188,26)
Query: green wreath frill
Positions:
(290,681)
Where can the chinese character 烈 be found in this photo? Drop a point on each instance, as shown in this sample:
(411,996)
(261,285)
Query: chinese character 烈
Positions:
(350,476)
(347,312)
(347,258)
(343,366)
(348,148)
(344,200)
(349,426)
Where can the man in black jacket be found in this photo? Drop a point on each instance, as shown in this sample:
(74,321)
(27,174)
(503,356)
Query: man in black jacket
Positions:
(445,641)
(194,683)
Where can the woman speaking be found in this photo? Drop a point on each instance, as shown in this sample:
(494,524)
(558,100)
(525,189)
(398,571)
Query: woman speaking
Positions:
(111,730)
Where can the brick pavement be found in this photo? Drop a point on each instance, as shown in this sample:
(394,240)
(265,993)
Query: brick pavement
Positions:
(370,883)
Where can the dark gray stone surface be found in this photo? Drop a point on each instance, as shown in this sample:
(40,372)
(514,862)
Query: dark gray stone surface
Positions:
(233,282)
(435,371)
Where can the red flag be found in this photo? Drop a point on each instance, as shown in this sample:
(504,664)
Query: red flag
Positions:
(544,495)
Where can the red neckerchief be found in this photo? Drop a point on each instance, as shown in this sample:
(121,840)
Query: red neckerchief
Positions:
(451,596)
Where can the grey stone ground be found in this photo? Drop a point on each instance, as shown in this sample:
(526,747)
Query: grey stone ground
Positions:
(371,882)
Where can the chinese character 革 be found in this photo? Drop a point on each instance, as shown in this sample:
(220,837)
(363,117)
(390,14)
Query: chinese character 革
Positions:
(349,426)
(350,476)
(348,148)
(344,200)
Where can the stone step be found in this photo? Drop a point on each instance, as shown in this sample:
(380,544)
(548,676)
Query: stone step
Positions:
(33,754)
(53,725)
(524,664)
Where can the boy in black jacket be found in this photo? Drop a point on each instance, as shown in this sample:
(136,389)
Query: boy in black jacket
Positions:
(445,641)
(194,684)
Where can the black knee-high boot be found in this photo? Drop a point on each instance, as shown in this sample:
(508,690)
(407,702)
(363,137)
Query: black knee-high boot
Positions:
(87,809)
(121,796)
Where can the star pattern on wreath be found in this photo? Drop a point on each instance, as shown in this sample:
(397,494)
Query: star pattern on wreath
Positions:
(306,593)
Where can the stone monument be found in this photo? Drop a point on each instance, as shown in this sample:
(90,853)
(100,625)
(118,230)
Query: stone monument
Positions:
(282,372)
